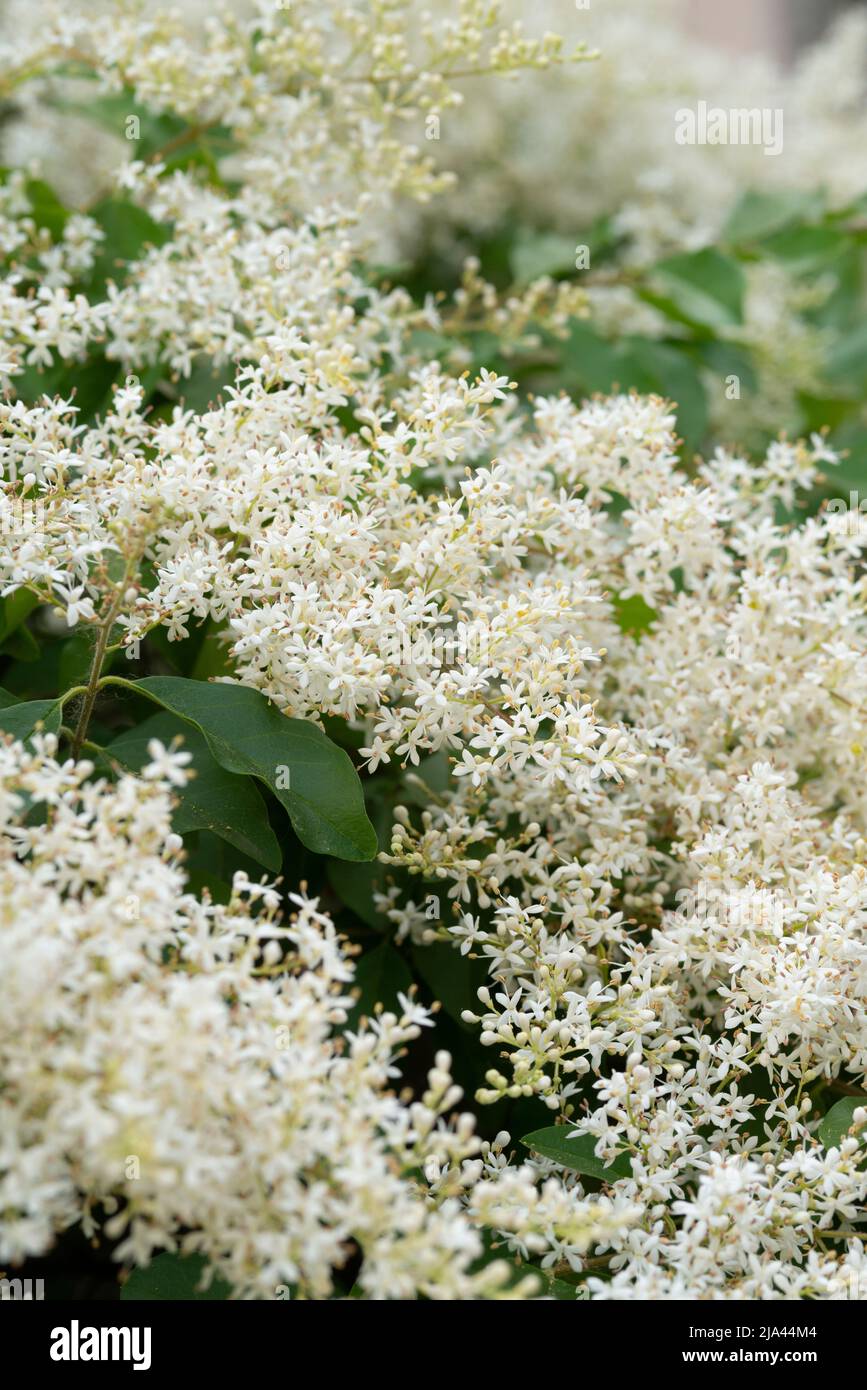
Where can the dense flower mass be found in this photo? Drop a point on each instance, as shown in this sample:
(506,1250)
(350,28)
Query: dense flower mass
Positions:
(607,701)
(174,1060)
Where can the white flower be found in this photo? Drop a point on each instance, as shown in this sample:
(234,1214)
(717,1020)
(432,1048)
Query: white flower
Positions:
(166,764)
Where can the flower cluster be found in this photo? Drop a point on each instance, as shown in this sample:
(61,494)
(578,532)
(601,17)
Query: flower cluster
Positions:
(170,1066)
(597,771)
(352,89)
(627,695)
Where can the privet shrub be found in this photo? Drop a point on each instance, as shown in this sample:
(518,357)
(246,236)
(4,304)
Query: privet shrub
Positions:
(433,799)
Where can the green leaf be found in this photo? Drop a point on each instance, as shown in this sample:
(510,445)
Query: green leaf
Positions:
(704,288)
(642,364)
(728,359)
(112,112)
(214,799)
(576,1154)
(427,782)
(590,358)
(534,255)
(633,615)
(381,975)
(200,389)
(848,358)
(827,410)
(46,208)
(129,231)
(90,381)
(851,472)
(842,311)
(452,978)
(21,644)
(20,720)
(116,112)
(212,658)
(76,659)
(857,208)
(150,132)
(205,865)
(15,608)
(355,885)
(247,734)
(173,1279)
(758,215)
(835,1125)
(808,248)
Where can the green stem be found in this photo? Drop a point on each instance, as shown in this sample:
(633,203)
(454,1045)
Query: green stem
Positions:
(86,743)
(92,686)
(124,684)
(95,680)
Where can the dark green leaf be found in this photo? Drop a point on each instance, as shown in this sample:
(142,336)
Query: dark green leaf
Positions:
(118,113)
(427,782)
(309,775)
(76,657)
(826,410)
(381,975)
(728,359)
(851,472)
(214,799)
(842,311)
(129,231)
(88,383)
(576,1154)
(173,1279)
(212,658)
(453,979)
(835,1125)
(152,133)
(20,720)
(201,388)
(15,608)
(206,867)
(21,644)
(355,885)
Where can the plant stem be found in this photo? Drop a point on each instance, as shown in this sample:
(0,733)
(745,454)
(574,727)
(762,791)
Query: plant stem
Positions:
(92,686)
(120,681)
(86,744)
